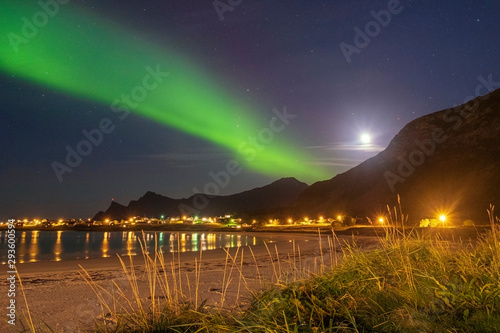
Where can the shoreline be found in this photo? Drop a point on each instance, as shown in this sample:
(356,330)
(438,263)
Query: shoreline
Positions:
(299,229)
(58,294)
(114,261)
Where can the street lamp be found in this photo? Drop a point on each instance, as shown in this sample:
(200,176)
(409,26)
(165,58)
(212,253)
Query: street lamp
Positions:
(442,218)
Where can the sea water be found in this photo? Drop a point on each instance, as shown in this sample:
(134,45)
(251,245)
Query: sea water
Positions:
(33,245)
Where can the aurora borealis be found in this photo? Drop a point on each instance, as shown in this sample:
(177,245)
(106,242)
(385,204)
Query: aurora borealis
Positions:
(181,90)
(97,62)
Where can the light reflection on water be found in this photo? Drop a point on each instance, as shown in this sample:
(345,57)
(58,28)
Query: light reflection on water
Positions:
(33,246)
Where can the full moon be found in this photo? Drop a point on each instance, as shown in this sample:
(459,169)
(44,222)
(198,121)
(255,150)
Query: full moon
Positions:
(365,138)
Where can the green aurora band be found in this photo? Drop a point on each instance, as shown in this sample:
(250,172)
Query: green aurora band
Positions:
(84,56)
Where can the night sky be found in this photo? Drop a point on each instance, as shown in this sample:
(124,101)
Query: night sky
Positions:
(174,92)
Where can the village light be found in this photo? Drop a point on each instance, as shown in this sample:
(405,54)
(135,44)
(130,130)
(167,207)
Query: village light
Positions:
(442,218)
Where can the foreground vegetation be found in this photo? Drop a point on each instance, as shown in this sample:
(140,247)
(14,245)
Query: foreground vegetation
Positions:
(408,284)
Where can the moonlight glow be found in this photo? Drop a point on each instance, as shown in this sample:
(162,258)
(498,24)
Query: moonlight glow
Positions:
(365,138)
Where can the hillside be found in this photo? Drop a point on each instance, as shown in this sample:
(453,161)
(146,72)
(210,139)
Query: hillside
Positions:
(447,161)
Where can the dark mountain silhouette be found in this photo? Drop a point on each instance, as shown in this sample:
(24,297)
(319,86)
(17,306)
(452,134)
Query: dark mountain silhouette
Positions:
(447,161)
(275,196)
(444,162)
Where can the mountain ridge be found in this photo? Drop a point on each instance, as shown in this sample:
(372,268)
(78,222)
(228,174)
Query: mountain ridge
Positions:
(276,195)
(447,161)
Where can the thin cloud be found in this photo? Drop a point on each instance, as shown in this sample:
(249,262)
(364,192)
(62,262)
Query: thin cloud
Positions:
(336,161)
(346,146)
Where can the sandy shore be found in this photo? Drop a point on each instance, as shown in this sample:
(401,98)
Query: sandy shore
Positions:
(58,295)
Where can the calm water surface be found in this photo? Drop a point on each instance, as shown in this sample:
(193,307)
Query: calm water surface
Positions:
(33,246)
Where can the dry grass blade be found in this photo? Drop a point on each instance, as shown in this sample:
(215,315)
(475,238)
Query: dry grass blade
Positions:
(31,326)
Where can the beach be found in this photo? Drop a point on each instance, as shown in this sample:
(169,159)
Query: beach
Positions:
(61,295)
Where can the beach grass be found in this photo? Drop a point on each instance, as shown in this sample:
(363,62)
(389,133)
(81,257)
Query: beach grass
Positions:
(409,283)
